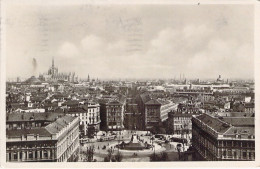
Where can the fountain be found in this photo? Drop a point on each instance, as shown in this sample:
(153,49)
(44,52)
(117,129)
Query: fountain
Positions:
(134,144)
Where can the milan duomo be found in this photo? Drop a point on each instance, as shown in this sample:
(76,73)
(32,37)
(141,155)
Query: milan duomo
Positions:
(54,75)
(175,95)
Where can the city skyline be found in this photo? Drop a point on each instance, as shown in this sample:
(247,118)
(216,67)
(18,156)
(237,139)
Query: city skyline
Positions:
(132,42)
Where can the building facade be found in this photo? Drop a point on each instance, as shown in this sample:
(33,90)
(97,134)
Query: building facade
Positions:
(112,115)
(89,117)
(179,123)
(152,113)
(213,139)
(32,141)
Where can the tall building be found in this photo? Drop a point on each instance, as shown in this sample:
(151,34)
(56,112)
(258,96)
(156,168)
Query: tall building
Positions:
(42,137)
(152,113)
(112,115)
(179,123)
(89,116)
(223,139)
(141,100)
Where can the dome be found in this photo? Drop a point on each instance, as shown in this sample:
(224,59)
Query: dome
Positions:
(33,79)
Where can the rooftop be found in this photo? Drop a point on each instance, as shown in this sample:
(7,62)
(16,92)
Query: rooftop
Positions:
(215,123)
(153,102)
(244,132)
(240,121)
(16,117)
(52,128)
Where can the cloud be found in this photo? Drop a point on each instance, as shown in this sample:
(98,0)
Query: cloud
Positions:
(195,50)
(68,50)
(228,58)
(92,43)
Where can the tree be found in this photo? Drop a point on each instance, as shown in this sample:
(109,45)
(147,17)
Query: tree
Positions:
(119,157)
(91,132)
(179,150)
(109,156)
(89,153)
(162,157)
(106,159)
(154,157)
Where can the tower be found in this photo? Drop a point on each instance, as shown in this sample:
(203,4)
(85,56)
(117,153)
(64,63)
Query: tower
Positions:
(53,62)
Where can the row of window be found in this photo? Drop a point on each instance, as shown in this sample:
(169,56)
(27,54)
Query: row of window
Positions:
(15,156)
(229,154)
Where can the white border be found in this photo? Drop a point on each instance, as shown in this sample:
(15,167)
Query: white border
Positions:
(255,163)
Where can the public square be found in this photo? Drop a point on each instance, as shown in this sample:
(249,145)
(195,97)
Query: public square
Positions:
(158,146)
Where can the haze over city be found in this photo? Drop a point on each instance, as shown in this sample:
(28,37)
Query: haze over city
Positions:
(141,41)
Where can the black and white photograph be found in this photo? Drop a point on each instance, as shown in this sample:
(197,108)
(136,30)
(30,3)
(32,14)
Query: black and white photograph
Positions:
(101,81)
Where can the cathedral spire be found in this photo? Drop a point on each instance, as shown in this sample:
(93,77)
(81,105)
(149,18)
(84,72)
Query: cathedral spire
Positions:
(52,61)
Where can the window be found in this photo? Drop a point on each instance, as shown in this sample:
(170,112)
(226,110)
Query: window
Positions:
(229,153)
(225,143)
(30,154)
(229,143)
(15,156)
(244,144)
(250,155)
(244,155)
(45,154)
(224,153)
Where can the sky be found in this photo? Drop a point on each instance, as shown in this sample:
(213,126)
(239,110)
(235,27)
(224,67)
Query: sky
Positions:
(131,41)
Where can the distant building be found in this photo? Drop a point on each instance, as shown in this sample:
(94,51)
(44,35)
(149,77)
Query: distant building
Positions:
(186,91)
(220,80)
(54,75)
(132,117)
(223,139)
(42,137)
